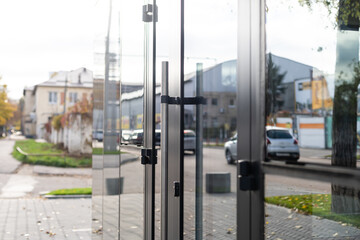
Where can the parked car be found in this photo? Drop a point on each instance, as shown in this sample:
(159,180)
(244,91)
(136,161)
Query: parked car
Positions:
(231,150)
(125,136)
(189,141)
(280,145)
(98,135)
(137,137)
(157,137)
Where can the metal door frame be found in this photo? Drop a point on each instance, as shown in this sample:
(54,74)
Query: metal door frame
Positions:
(251,127)
(172,131)
(149,153)
(251,119)
(251,116)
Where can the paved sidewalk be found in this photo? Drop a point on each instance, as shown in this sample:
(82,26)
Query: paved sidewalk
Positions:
(71,219)
(45,219)
(284,224)
(219,212)
(7,163)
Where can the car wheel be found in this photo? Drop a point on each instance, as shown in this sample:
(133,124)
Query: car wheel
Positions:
(229,157)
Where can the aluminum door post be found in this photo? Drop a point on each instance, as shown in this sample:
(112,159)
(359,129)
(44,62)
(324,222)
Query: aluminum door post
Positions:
(251,116)
(199,156)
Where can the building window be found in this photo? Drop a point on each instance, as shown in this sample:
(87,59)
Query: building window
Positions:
(233,124)
(231,102)
(72,97)
(52,97)
(214,101)
(214,122)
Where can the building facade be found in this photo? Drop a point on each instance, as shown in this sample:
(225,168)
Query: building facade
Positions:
(47,99)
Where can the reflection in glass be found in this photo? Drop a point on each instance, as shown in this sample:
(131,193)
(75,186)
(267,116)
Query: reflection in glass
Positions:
(97,159)
(131,134)
(211,42)
(312,92)
(300,208)
(112,183)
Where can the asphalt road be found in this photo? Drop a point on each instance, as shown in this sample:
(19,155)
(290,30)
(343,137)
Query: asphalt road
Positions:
(214,161)
(133,173)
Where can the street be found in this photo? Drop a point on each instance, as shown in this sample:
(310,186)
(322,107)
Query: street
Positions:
(219,210)
(214,161)
(26,216)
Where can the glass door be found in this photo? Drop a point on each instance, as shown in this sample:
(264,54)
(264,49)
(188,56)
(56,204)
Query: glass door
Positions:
(124,113)
(199,122)
(312,123)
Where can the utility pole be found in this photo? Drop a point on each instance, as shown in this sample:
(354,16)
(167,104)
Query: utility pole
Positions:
(67,136)
(65,90)
(311,97)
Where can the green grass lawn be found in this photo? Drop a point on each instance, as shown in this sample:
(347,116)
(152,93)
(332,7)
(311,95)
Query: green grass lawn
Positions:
(213,144)
(314,204)
(329,156)
(71,191)
(32,147)
(99,151)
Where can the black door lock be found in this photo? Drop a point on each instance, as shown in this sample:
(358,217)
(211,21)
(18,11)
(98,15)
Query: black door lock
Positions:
(176,189)
(247,180)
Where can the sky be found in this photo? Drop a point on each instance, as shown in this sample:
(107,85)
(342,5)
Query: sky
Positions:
(43,36)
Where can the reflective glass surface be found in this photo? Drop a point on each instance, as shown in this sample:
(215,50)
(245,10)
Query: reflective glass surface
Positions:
(312,86)
(132,135)
(210,72)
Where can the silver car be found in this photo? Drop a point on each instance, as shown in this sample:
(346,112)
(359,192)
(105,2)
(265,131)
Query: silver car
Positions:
(231,150)
(189,141)
(280,144)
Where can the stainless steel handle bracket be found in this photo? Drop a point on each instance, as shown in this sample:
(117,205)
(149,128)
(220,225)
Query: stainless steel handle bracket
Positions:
(186,101)
(149,12)
(148,156)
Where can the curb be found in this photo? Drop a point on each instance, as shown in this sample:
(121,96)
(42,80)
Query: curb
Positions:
(66,196)
(129,160)
(81,174)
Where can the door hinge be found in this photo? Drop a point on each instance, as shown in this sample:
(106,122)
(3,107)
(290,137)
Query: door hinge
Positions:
(149,12)
(246,177)
(148,156)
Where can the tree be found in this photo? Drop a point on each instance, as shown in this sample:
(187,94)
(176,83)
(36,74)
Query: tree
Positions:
(347,75)
(6,108)
(274,87)
(15,121)
(345,200)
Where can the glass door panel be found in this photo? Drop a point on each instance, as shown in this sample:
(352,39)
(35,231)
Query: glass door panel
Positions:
(111,151)
(210,177)
(312,121)
(132,117)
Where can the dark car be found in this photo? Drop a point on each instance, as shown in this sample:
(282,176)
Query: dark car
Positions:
(189,141)
(98,135)
(157,137)
(137,137)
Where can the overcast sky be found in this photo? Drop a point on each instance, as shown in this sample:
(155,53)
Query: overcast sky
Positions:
(42,36)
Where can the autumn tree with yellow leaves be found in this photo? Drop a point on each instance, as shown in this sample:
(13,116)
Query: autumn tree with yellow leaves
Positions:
(6,108)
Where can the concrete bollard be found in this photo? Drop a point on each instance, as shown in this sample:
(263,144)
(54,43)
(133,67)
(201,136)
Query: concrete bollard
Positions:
(114,186)
(218,182)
